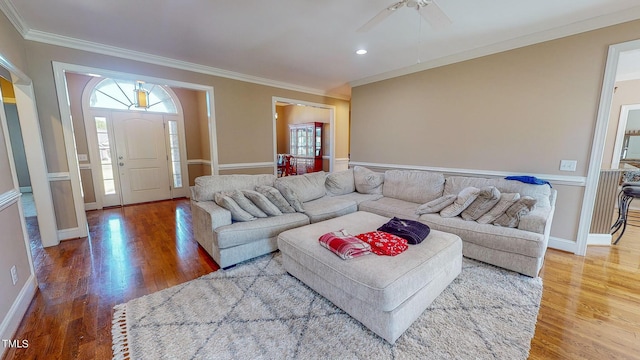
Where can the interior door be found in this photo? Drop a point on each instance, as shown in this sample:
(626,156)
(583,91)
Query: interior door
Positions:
(141,157)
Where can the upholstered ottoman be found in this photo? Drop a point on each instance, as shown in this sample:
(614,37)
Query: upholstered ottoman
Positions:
(386,294)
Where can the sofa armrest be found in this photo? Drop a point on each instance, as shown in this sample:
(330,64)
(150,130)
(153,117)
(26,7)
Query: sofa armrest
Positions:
(539,220)
(217,215)
(535,221)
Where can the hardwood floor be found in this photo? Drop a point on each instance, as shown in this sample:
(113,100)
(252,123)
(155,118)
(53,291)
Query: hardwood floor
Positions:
(130,252)
(590,306)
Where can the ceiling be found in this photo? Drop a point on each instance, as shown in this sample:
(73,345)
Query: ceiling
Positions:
(308,43)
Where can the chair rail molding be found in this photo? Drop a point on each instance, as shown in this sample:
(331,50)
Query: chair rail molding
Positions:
(552,178)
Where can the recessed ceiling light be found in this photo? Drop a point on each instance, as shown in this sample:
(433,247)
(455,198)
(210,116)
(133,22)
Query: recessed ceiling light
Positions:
(361,51)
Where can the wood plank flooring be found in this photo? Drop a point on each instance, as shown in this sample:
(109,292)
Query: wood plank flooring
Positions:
(590,306)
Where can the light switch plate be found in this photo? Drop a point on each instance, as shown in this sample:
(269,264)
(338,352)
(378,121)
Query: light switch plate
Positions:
(83,157)
(568,165)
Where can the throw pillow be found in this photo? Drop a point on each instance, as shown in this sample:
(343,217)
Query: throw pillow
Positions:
(275,197)
(506,200)
(237,213)
(520,208)
(487,198)
(464,198)
(436,205)
(262,202)
(340,183)
(367,181)
(291,197)
(246,204)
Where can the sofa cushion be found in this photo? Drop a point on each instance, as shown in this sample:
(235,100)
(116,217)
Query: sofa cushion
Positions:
(506,200)
(512,241)
(413,185)
(262,202)
(206,186)
(358,197)
(237,213)
(487,198)
(276,198)
(241,233)
(328,207)
(306,187)
(390,207)
(367,181)
(463,200)
(246,204)
(512,216)
(541,193)
(291,197)
(340,183)
(436,205)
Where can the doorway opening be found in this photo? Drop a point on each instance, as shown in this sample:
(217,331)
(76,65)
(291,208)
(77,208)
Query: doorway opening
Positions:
(602,150)
(201,141)
(304,137)
(135,154)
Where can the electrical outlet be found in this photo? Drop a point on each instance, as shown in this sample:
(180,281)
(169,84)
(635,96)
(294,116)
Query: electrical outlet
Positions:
(14,274)
(568,165)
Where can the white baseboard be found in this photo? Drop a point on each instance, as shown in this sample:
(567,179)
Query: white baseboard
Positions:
(11,322)
(67,234)
(599,239)
(563,244)
(91,206)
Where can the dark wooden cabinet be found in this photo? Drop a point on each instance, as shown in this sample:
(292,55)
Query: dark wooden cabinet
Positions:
(305,145)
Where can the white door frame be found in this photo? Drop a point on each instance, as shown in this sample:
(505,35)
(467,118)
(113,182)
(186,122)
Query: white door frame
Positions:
(90,113)
(599,140)
(622,126)
(332,128)
(34,151)
(59,70)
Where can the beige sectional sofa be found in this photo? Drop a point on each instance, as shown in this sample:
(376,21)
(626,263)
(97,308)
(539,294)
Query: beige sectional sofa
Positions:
(400,193)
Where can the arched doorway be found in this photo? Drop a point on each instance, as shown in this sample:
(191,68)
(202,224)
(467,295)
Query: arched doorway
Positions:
(137,150)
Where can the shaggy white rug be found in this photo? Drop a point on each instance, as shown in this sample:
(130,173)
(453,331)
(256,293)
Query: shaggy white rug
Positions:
(258,311)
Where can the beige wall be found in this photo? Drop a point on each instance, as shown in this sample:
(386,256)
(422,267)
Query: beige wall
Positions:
(243,111)
(626,93)
(12,241)
(522,110)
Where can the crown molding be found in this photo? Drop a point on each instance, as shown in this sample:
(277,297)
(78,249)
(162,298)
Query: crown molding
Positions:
(522,41)
(74,43)
(6,6)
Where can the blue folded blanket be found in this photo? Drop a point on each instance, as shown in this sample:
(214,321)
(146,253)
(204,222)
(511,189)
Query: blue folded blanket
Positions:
(529,180)
(413,231)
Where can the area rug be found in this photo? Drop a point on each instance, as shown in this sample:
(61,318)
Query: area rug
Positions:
(256,310)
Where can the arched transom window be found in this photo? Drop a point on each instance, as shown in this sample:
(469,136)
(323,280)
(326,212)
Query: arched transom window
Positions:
(121,95)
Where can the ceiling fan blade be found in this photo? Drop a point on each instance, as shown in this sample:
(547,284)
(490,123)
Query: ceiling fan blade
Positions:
(383,14)
(435,16)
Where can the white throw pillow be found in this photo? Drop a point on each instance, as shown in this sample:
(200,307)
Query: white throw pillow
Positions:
(367,181)
(237,213)
(436,205)
(487,198)
(463,200)
(506,200)
(262,202)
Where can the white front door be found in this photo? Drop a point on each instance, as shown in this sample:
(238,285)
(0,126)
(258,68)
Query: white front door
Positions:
(141,157)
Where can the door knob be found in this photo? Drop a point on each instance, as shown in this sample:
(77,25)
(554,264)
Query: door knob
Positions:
(121,164)
(120,157)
